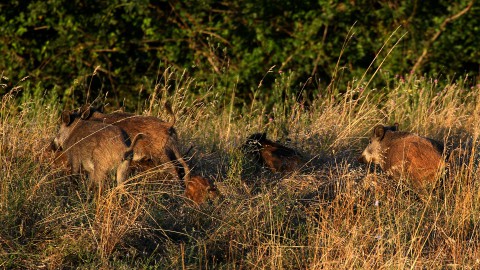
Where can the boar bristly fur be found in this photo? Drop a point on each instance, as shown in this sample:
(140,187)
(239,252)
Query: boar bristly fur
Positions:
(404,154)
(159,143)
(200,189)
(94,147)
(276,157)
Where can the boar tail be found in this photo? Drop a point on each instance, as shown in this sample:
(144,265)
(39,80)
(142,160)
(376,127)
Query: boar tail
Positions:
(186,169)
(137,137)
(168,107)
(181,167)
(129,153)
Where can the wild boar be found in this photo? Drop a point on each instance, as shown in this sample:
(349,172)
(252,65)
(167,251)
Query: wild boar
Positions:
(200,189)
(159,143)
(274,156)
(94,147)
(404,154)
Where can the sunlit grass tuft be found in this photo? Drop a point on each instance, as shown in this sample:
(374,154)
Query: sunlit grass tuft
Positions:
(334,213)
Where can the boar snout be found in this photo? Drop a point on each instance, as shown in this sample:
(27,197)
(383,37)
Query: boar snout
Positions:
(53,146)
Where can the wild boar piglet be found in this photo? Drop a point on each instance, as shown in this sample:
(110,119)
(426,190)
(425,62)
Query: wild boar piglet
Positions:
(200,189)
(274,156)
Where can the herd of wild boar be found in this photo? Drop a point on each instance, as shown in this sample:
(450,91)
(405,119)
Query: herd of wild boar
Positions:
(97,143)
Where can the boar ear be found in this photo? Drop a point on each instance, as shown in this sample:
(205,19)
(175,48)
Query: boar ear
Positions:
(379,131)
(101,108)
(188,151)
(97,103)
(66,118)
(85,111)
(396,126)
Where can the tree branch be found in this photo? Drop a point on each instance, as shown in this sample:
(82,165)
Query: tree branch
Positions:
(438,33)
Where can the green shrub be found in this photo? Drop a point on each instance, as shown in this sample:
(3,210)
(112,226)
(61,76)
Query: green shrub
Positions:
(82,48)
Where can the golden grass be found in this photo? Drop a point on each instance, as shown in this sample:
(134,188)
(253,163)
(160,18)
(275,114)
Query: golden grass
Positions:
(335,213)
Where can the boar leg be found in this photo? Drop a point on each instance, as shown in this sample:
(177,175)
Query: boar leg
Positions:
(97,177)
(176,158)
(122,171)
(166,162)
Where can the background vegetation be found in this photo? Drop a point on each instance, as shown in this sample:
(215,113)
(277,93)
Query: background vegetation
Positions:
(334,213)
(302,73)
(232,45)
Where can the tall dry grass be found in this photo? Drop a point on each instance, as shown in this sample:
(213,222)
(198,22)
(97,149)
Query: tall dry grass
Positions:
(335,213)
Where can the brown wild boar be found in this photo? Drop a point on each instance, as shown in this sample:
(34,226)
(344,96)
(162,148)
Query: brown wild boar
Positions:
(159,143)
(94,147)
(276,157)
(200,189)
(405,154)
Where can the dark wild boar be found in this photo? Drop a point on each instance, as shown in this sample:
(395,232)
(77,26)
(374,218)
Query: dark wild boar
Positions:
(404,154)
(276,157)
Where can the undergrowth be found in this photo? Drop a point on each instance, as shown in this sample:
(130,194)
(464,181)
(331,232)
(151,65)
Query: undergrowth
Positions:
(334,213)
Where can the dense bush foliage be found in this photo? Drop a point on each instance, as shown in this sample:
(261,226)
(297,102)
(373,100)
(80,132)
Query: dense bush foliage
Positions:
(243,45)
